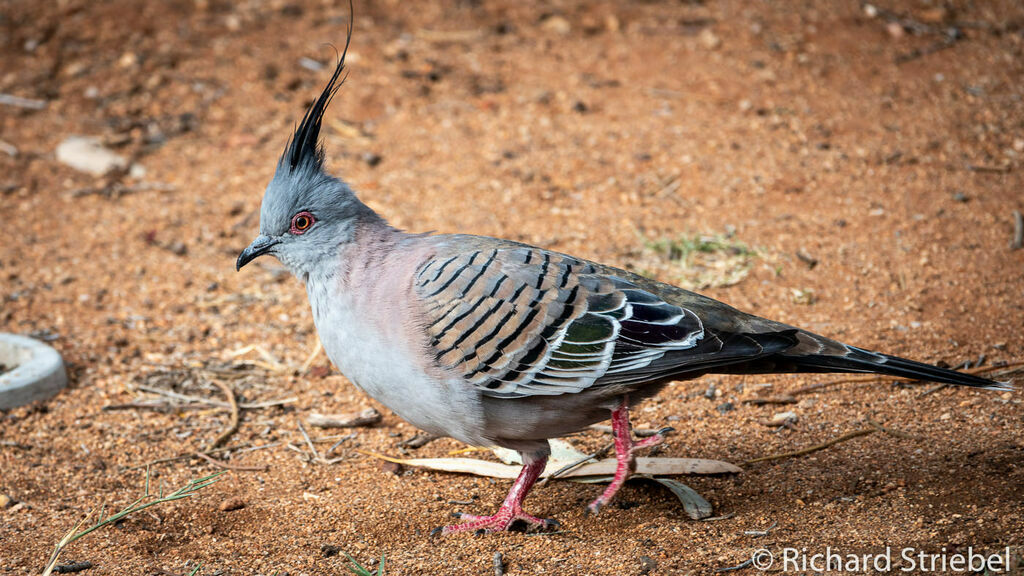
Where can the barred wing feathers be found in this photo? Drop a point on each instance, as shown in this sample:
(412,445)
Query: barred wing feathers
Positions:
(518,321)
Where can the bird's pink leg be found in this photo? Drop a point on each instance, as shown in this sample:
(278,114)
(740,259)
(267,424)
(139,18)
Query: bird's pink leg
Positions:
(510,511)
(625,447)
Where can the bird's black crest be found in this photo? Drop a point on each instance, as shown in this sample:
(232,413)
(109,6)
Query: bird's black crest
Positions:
(304,147)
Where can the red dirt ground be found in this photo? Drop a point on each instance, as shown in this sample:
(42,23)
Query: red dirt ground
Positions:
(880,148)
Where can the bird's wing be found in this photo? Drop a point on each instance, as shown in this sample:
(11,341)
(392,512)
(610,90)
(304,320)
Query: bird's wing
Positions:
(519,321)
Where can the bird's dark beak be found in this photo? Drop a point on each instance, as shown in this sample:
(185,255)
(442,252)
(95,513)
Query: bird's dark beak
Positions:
(260,246)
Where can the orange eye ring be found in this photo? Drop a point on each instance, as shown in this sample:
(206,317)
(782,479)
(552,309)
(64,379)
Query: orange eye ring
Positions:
(302,222)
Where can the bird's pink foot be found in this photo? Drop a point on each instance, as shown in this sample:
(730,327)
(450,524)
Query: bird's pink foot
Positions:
(500,522)
(625,449)
(511,510)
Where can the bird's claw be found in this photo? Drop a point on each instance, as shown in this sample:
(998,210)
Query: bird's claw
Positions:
(481,525)
(550,524)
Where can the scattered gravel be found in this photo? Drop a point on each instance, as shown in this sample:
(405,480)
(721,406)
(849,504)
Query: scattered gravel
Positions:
(796,132)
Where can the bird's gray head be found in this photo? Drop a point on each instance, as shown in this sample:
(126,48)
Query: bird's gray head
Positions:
(306,213)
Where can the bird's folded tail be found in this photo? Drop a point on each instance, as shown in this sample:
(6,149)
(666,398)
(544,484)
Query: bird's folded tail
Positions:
(859,360)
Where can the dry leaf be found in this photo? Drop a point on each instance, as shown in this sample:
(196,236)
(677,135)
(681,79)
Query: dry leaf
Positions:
(694,504)
(367,417)
(648,466)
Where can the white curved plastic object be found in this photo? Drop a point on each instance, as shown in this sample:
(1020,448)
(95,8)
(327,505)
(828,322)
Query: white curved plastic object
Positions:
(35,371)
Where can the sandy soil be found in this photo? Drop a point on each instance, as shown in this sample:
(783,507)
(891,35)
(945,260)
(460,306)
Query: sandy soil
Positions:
(883,150)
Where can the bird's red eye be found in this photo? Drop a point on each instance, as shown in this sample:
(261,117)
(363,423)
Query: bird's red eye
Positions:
(301,222)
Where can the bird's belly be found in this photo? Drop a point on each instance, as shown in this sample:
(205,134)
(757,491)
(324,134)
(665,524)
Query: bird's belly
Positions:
(384,365)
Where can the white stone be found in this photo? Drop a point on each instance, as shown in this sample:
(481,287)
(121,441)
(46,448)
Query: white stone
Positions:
(87,154)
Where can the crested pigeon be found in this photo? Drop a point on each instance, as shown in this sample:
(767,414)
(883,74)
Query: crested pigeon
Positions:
(495,342)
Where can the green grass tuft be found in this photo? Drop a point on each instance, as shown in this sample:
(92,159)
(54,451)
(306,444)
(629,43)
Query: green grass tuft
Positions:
(360,570)
(699,261)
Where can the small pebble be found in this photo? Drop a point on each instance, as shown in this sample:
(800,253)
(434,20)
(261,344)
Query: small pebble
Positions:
(647,564)
(725,407)
(783,418)
(372,159)
(329,550)
(128,60)
(321,371)
(5,501)
(310,64)
(711,392)
(178,247)
(557,24)
(709,40)
(391,467)
(232,504)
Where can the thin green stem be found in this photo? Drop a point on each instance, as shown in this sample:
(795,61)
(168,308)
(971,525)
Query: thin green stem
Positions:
(138,505)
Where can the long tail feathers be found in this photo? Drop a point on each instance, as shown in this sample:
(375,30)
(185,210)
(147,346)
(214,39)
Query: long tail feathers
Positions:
(858,360)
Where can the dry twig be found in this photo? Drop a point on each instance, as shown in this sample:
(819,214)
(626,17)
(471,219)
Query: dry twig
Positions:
(269,361)
(815,448)
(228,466)
(418,441)
(212,402)
(367,417)
(72,567)
(312,448)
(935,389)
(19,102)
(233,423)
(339,443)
(822,385)
(897,433)
(739,566)
(761,532)
(1018,231)
(8,148)
(718,518)
(165,407)
(783,399)
(117,189)
(1001,169)
(184,456)
(313,455)
(312,357)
